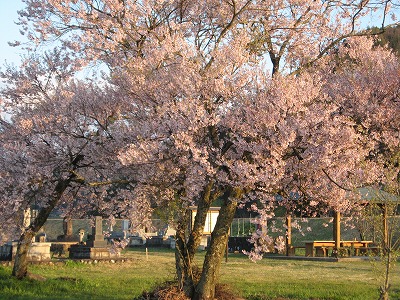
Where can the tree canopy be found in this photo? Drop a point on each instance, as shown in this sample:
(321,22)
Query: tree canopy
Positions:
(237,100)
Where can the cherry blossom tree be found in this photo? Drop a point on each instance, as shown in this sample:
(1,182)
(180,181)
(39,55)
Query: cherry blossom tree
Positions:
(356,143)
(58,148)
(293,133)
(369,97)
(205,118)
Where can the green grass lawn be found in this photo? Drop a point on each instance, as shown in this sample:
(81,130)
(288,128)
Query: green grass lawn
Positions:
(271,279)
(267,279)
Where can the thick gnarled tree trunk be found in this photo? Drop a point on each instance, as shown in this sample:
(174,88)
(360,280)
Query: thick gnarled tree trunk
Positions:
(183,261)
(205,289)
(187,243)
(20,268)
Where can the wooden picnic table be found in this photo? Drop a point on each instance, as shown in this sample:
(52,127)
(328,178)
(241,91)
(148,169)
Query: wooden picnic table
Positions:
(320,248)
(355,246)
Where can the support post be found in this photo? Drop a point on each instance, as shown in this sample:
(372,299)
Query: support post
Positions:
(227,246)
(336,232)
(385,241)
(288,235)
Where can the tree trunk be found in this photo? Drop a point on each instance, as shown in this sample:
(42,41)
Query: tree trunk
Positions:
(387,260)
(20,268)
(187,247)
(384,291)
(205,289)
(183,262)
(203,207)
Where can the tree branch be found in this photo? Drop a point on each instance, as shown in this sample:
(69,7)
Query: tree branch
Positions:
(334,182)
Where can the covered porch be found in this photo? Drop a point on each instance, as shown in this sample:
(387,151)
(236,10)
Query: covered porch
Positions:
(337,247)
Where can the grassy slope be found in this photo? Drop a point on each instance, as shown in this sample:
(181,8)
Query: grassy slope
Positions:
(268,279)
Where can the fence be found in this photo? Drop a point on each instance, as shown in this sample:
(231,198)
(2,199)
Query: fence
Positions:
(54,227)
(242,227)
(302,229)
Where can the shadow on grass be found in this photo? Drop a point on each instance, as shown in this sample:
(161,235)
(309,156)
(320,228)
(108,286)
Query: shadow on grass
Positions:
(42,288)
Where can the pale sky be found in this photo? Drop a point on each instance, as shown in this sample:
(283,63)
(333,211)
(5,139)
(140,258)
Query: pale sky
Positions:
(9,31)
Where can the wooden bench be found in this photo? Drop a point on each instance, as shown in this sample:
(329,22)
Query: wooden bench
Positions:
(367,250)
(318,248)
(347,248)
(292,250)
(321,251)
(354,247)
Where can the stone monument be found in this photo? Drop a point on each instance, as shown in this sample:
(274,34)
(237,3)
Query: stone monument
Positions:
(81,234)
(95,247)
(97,238)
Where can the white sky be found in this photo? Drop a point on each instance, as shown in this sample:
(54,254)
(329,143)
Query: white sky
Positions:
(9,31)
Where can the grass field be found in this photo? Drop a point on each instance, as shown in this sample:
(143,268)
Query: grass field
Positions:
(267,279)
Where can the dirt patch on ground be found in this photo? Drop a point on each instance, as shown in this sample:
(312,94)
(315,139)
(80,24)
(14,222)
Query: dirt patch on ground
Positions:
(170,291)
(35,277)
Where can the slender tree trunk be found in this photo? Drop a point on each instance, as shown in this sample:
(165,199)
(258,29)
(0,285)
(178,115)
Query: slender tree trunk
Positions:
(384,292)
(20,268)
(387,258)
(205,289)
